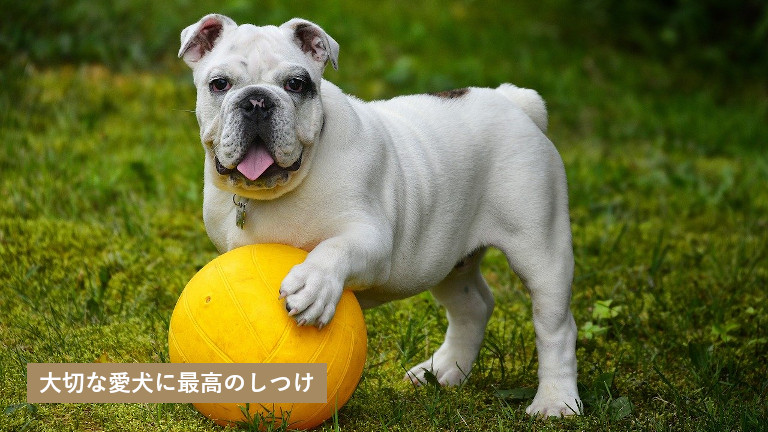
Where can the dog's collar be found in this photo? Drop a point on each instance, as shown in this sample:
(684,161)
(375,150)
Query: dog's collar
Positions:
(240,203)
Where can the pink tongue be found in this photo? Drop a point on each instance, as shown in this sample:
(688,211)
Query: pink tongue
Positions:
(256,161)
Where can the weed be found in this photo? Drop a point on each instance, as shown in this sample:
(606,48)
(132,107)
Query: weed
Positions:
(264,421)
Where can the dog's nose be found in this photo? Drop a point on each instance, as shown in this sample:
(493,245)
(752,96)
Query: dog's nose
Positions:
(256,106)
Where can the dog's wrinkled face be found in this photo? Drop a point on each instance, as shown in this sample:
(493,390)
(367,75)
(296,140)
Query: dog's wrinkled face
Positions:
(258,99)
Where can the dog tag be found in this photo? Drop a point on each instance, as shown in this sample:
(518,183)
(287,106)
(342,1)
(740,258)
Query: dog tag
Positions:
(240,212)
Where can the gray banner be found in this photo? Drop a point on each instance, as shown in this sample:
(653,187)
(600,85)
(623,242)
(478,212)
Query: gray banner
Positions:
(176,382)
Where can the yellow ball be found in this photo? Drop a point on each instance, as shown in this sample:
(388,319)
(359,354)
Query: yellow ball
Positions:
(239,290)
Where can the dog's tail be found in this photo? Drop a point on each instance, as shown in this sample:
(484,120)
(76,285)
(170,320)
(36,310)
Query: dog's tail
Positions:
(529,101)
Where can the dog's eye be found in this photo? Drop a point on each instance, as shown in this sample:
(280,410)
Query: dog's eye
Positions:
(219,85)
(295,85)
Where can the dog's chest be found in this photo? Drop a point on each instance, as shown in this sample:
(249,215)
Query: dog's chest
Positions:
(232,222)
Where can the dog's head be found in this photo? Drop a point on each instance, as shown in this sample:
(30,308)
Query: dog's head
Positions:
(258,99)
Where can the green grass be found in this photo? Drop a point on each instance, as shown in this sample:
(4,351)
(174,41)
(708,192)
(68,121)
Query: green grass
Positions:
(101,222)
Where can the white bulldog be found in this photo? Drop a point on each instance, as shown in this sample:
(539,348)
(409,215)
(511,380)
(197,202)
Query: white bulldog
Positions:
(390,197)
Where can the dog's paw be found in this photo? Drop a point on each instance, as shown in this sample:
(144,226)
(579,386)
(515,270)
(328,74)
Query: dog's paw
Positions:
(552,401)
(447,369)
(311,294)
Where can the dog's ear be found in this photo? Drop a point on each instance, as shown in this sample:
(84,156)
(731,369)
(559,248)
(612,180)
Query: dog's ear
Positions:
(314,41)
(200,38)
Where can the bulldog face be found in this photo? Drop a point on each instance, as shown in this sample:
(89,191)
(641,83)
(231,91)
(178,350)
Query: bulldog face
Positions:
(258,100)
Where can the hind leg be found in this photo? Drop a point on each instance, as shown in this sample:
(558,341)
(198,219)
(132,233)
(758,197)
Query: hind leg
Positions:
(546,267)
(468,304)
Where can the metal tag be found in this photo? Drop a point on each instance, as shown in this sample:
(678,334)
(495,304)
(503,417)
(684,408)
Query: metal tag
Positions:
(240,213)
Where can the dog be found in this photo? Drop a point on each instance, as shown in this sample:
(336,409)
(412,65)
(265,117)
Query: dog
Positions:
(390,198)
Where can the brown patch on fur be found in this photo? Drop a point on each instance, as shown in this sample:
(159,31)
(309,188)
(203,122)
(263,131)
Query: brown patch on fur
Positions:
(451,94)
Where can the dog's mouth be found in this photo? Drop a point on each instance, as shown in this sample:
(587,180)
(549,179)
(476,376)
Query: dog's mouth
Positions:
(257,163)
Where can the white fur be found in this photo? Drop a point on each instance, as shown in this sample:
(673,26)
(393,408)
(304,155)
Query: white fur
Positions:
(391,195)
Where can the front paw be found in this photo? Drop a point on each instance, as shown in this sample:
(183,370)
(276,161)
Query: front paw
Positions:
(449,365)
(311,294)
(555,400)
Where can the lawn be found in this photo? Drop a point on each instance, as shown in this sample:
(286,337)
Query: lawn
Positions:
(667,160)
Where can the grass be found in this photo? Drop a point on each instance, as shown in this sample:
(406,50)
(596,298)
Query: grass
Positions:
(101,227)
